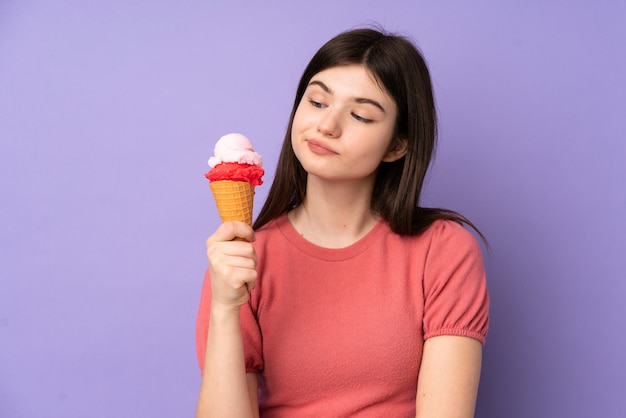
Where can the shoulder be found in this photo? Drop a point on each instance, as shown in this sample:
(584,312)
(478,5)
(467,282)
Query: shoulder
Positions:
(452,251)
(441,234)
(450,242)
(451,233)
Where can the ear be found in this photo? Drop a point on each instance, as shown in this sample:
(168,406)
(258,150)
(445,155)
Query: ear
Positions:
(397,150)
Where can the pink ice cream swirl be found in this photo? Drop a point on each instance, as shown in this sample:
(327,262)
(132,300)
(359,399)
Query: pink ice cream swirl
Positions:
(235,148)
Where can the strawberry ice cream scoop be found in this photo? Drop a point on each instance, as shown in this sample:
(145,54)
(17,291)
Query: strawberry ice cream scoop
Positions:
(236,172)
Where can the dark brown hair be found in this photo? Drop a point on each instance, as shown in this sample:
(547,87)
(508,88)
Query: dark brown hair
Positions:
(401,70)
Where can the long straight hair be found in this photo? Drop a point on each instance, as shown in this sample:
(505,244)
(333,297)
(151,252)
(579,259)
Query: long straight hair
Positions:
(399,68)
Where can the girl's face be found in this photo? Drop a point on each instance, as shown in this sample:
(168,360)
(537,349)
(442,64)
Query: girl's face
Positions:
(344,125)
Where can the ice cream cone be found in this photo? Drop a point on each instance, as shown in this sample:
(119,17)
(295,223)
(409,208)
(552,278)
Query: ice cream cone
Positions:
(234,200)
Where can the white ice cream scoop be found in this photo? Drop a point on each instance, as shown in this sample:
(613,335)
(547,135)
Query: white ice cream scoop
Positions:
(234,148)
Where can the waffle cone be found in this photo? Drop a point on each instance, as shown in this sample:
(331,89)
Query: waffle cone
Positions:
(234,200)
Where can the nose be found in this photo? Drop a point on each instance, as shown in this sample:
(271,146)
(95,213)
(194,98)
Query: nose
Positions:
(329,124)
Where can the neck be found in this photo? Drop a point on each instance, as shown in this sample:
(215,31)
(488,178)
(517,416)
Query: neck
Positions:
(334,216)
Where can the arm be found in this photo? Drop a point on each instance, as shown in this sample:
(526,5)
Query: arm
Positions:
(447,384)
(226,389)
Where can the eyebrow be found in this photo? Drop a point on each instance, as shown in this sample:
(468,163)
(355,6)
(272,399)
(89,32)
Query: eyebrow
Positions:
(356,99)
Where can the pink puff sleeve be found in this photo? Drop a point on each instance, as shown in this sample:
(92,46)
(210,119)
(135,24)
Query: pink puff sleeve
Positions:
(456,301)
(250,332)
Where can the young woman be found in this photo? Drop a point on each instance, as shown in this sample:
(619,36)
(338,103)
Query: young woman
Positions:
(347,298)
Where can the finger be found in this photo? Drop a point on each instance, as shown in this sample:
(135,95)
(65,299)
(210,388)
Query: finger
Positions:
(222,260)
(229,231)
(221,250)
(232,285)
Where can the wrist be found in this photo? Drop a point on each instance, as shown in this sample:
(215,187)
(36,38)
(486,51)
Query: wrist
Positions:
(220,312)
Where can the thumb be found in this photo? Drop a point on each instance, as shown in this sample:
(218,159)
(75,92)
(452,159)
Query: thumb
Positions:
(234,230)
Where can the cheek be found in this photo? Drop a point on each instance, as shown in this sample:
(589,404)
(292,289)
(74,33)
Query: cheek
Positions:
(295,144)
(299,120)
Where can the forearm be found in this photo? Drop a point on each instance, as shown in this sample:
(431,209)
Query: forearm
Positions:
(224,390)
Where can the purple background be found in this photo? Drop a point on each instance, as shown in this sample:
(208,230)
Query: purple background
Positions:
(109,110)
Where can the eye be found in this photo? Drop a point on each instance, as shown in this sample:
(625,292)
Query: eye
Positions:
(361,119)
(316,104)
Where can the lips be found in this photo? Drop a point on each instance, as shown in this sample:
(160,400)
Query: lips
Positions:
(318,147)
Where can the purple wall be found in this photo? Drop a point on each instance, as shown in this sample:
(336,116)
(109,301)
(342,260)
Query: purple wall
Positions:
(109,110)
